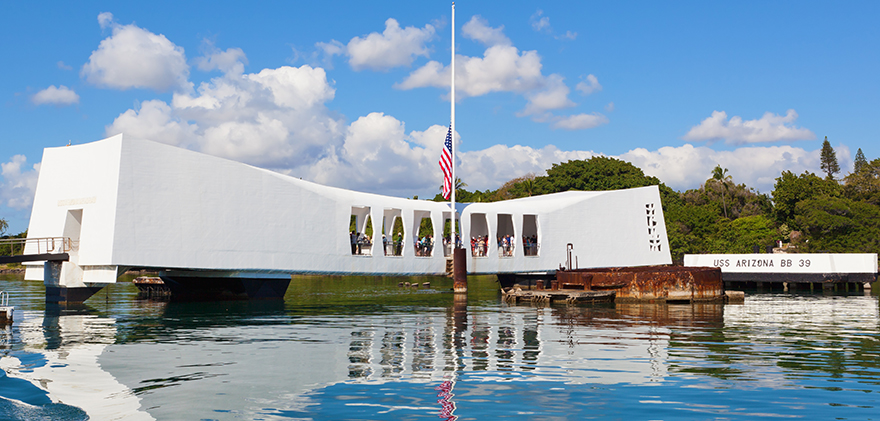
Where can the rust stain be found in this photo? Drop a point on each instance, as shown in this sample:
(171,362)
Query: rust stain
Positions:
(647,283)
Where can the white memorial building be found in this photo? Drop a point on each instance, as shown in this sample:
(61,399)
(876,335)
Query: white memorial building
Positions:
(210,223)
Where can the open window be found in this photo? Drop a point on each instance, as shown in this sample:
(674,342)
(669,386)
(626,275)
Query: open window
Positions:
(392,232)
(360,233)
(530,239)
(424,233)
(479,235)
(447,230)
(505,237)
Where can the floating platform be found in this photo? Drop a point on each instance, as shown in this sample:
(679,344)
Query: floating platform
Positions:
(516,295)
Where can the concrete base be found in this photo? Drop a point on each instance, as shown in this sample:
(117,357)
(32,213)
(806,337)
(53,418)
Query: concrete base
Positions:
(65,295)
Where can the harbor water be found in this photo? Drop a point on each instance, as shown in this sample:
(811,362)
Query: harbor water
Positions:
(365,348)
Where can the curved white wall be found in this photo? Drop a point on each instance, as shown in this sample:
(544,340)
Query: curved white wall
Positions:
(146,204)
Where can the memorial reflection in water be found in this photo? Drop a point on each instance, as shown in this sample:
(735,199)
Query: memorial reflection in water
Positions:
(315,357)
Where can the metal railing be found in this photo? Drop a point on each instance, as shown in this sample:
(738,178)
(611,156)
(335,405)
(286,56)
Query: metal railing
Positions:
(4,299)
(43,245)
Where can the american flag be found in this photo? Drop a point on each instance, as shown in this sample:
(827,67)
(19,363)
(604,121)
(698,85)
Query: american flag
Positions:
(446,164)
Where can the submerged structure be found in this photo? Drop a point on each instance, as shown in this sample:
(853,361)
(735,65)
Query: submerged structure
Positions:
(214,228)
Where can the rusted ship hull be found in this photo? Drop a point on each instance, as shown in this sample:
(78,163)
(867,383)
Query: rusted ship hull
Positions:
(636,284)
(647,283)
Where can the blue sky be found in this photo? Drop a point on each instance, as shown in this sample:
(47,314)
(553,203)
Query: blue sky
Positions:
(355,94)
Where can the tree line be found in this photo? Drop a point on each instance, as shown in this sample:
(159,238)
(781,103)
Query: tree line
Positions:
(804,212)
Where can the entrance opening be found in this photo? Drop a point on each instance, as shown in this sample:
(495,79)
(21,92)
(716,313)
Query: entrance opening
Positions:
(479,235)
(506,238)
(424,229)
(360,233)
(447,229)
(392,232)
(531,242)
(72,230)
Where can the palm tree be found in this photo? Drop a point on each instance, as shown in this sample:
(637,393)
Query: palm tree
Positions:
(458,185)
(528,186)
(720,174)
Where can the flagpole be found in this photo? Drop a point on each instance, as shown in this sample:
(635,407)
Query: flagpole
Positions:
(452,125)
(459,265)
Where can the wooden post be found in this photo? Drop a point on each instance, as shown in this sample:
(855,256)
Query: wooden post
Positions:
(459,270)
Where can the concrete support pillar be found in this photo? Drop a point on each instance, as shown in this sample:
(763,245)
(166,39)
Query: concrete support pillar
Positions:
(56,293)
(459,270)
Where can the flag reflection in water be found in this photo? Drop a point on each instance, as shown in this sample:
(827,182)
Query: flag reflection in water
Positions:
(447,406)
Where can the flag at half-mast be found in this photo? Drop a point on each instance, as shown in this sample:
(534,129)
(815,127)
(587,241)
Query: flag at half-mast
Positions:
(446,164)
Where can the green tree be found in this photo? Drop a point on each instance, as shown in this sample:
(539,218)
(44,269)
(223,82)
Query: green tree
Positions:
(839,225)
(742,234)
(594,174)
(829,160)
(3,226)
(720,175)
(859,162)
(864,185)
(791,189)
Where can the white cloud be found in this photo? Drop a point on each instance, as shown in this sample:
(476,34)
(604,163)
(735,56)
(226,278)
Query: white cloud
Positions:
(154,120)
(553,97)
(19,183)
(133,57)
(297,88)
(63,66)
(568,35)
(769,128)
(230,61)
(609,107)
(376,155)
(579,121)
(105,20)
(501,69)
(275,118)
(491,167)
(278,119)
(60,95)
(540,22)
(687,166)
(478,29)
(589,86)
(394,47)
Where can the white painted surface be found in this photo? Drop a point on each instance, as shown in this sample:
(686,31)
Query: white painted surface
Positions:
(146,204)
(787,262)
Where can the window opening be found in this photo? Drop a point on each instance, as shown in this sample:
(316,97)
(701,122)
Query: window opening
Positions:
(424,229)
(479,235)
(653,232)
(530,239)
(392,232)
(360,231)
(505,236)
(447,229)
